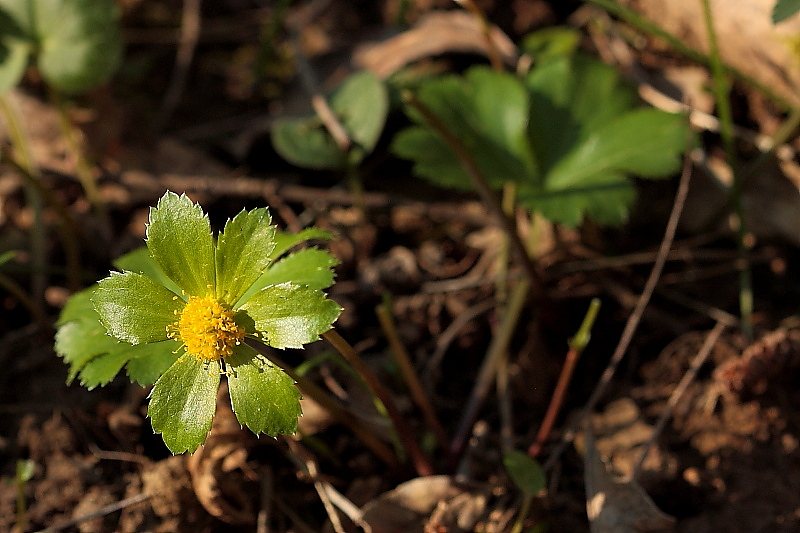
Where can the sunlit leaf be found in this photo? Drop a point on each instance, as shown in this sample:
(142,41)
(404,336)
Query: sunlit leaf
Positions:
(183,402)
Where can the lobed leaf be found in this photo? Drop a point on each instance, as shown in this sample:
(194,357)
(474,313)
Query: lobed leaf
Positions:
(183,402)
(285,241)
(148,364)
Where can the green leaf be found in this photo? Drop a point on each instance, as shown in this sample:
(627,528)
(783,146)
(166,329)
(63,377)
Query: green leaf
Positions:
(102,369)
(551,42)
(80,341)
(78,306)
(289,316)
(78,43)
(525,472)
(568,135)
(487,112)
(243,252)
(361,104)
(311,268)
(134,308)
(620,146)
(180,241)
(264,397)
(142,262)
(305,143)
(147,365)
(784,9)
(285,241)
(606,201)
(183,402)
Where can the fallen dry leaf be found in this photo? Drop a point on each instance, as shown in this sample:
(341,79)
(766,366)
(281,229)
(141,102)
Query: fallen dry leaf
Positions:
(614,504)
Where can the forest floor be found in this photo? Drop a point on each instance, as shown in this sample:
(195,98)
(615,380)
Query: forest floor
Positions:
(728,459)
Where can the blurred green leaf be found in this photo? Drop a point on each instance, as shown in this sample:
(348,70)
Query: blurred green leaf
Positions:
(77,43)
(784,9)
(360,103)
(569,135)
(525,472)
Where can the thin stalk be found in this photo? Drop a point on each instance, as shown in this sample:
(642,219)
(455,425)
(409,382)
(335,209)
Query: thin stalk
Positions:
(310,389)
(635,317)
(420,462)
(27,302)
(486,29)
(646,26)
(484,190)
(82,167)
(384,314)
(576,347)
(486,374)
(66,227)
(721,87)
(524,509)
(38,231)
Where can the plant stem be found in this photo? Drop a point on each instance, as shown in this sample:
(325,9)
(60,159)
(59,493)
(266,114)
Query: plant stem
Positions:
(310,389)
(721,87)
(421,464)
(484,190)
(485,379)
(383,312)
(576,347)
(38,231)
(82,167)
(646,26)
(524,509)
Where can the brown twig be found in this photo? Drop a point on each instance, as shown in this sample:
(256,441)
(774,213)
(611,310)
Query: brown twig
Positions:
(103,511)
(636,315)
(410,375)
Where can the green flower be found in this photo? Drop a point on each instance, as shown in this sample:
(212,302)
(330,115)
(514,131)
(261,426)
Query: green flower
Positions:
(185,316)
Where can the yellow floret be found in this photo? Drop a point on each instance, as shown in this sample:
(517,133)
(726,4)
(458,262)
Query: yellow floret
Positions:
(207,329)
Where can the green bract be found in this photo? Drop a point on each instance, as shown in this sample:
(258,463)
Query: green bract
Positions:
(179,313)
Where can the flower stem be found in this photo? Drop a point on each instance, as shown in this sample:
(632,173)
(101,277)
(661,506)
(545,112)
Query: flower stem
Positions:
(421,464)
(384,314)
(310,389)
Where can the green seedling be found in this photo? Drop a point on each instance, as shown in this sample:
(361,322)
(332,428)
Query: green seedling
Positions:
(183,311)
(526,473)
(569,135)
(77,44)
(360,104)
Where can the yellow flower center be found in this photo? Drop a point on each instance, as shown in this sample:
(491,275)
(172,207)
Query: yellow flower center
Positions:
(207,329)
